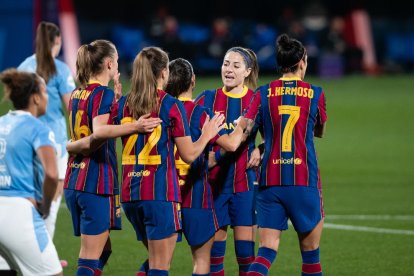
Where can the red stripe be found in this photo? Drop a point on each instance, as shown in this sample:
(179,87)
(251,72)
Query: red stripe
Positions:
(263,261)
(254,273)
(242,273)
(311,268)
(216,260)
(273,171)
(141,273)
(245,260)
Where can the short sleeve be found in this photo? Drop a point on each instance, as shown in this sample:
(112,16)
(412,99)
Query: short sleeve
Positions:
(43,137)
(102,102)
(200,98)
(66,83)
(321,116)
(178,119)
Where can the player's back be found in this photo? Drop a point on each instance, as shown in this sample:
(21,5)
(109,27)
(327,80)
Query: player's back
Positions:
(96,173)
(290,108)
(148,166)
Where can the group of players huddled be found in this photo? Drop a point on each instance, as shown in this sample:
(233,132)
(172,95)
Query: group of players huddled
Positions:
(189,166)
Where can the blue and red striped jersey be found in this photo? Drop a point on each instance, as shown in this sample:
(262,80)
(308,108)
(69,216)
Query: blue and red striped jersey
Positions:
(231,174)
(288,109)
(148,163)
(195,189)
(98,172)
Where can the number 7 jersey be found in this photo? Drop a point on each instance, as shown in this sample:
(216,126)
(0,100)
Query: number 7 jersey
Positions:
(288,110)
(148,163)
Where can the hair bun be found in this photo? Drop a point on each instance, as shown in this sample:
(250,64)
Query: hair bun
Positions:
(284,42)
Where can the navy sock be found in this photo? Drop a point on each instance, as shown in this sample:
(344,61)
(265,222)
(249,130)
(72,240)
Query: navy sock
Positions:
(157,272)
(244,254)
(262,262)
(143,270)
(217,258)
(310,263)
(86,267)
(102,261)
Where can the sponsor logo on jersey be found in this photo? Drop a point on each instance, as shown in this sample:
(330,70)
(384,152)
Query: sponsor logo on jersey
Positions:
(139,174)
(289,161)
(80,165)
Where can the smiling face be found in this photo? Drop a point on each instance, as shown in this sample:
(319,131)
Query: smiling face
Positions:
(234,71)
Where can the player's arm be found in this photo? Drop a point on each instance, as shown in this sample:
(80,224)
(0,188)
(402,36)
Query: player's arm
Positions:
(65,100)
(47,157)
(230,142)
(188,150)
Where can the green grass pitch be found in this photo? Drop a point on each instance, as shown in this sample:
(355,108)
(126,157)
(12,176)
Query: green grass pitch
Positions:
(367,169)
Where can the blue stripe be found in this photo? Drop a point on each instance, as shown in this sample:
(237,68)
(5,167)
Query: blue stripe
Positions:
(288,170)
(42,237)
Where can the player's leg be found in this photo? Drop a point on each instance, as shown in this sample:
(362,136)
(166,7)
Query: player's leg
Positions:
(242,214)
(306,213)
(309,247)
(160,254)
(221,208)
(271,220)
(94,229)
(201,258)
(199,227)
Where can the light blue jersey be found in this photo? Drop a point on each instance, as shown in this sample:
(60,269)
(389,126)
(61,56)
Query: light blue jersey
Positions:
(21,134)
(57,86)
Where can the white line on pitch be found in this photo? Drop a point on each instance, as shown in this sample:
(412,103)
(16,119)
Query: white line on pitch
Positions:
(370,217)
(368,229)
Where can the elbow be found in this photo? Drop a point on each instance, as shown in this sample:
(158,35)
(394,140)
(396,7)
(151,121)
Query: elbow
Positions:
(188,159)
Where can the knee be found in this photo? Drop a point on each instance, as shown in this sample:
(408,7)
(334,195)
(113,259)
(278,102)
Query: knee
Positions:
(309,245)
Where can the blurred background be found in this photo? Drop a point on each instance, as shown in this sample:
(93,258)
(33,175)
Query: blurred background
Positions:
(341,37)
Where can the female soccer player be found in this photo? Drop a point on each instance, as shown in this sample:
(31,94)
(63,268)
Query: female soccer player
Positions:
(91,182)
(59,85)
(150,191)
(232,178)
(27,149)
(291,113)
(199,220)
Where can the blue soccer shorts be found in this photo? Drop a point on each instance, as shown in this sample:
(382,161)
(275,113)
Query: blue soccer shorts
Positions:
(153,219)
(90,212)
(302,205)
(199,225)
(235,209)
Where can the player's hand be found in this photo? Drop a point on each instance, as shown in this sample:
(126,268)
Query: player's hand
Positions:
(255,159)
(211,159)
(43,209)
(146,124)
(117,87)
(213,126)
(241,121)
